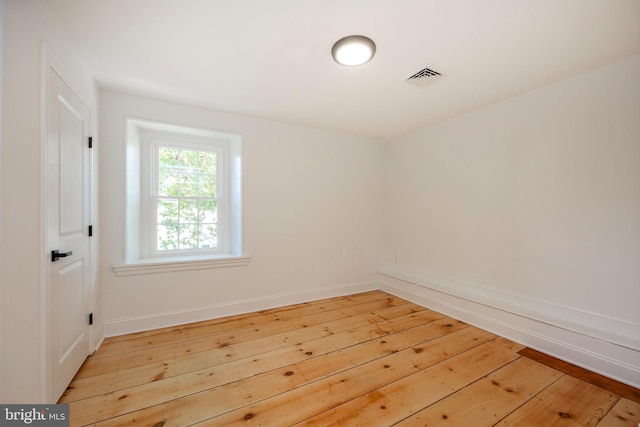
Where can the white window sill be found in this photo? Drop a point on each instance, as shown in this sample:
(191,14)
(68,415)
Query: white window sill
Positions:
(167,265)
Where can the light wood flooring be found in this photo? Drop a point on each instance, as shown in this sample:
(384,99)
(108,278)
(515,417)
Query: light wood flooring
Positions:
(369,359)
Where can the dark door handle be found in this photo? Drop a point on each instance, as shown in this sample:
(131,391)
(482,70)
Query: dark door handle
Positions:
(56,254)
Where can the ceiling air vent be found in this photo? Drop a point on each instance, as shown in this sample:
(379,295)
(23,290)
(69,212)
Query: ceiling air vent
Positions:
(423,77)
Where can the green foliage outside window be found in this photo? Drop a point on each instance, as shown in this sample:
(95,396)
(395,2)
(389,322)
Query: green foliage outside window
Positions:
(187,214)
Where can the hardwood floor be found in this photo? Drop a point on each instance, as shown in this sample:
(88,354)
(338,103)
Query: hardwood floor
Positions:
(369,359)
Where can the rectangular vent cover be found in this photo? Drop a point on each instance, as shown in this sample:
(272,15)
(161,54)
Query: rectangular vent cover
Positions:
(424,77)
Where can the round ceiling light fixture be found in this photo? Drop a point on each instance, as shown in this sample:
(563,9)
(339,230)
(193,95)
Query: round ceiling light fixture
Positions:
(352,51)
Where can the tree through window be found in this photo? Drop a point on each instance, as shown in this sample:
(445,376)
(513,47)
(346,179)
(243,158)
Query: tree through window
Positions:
(187,199)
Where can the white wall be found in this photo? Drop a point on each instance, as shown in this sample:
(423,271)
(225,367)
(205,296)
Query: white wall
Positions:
(311,212)
(531,206)
(26,25)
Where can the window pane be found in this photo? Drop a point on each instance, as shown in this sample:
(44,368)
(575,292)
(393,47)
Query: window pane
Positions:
(188,211)
(168,184)
(189,185)
(167,237)
(207,236)
(207,162)
(169,158)
(188,160)
(168,212)
(188,236)
(208,211)
(207,186)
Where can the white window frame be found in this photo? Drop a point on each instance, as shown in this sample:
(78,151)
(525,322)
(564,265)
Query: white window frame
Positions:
(153,141)
(139,236)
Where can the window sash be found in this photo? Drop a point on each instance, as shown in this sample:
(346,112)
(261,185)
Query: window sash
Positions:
(194,223)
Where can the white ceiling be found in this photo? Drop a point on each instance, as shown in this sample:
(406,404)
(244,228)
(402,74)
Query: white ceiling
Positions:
(271,58)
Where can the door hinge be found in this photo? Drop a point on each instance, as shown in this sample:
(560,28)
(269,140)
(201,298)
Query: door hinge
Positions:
(90,142)
(91,231)
(90,318)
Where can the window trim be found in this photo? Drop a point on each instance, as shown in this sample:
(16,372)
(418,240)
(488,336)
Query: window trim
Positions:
(186,263)
(137,259)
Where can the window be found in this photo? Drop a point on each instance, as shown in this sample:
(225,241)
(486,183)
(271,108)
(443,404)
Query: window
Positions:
(186,197)
(184,207)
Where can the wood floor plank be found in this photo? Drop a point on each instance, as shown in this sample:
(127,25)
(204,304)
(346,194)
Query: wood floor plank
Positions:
(302,403)
(625,413)
(568,401)
(315,365)
(269,324)
(258,316)
(361,314)
(399,317)
(370,359)
(490,399)
(240,393)
(400,399)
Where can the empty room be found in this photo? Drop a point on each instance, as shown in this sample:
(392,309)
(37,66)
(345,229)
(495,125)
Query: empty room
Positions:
(320,212)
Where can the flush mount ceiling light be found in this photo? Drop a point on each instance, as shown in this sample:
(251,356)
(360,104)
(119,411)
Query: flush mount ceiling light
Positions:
(352,51)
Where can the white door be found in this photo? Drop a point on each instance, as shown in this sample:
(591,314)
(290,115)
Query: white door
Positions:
(68,126)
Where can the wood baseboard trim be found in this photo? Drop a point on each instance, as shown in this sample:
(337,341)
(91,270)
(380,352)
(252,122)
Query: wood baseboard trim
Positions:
(598,380)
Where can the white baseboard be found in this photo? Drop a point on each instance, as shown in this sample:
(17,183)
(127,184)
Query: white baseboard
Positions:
(593,348)
(97,347)
(163,320)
